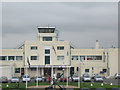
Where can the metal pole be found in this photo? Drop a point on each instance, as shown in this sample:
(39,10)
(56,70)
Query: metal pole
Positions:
(37,77)
(79,75)
(67,77)
(63,80)
(26,75)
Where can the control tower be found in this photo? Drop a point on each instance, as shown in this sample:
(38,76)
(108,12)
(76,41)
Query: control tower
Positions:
(47,34)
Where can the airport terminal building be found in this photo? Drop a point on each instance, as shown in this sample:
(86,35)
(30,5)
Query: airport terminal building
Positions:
(47,56)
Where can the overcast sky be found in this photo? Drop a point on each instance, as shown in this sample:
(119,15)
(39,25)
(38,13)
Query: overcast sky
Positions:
(80,23)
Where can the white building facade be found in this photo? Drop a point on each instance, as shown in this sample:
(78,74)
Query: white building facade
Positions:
(47,56)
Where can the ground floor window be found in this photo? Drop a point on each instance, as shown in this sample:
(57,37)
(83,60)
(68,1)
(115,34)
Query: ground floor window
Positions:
(77,68)
(17,70)
(104,70)
(33,69)
(86,70)
(71,71)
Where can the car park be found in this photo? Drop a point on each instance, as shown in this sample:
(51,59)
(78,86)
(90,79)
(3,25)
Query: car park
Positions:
(75,78)
(15,79)
(98,79)
(86,78)
(117,76)
(26,78)
(3,79)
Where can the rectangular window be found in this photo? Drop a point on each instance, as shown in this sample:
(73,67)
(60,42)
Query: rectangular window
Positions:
(60,68)
(19,57)
(82,57)
(94,57)
(77,68)
(71,71)
(60,57)
(60,47)
(33,69)
(74,57)
(11,57)
(33,57)
(47,51)
(47,59)
(47,38)
(17,70)
(3,58)
(33,47)
(104,70)
(86,70)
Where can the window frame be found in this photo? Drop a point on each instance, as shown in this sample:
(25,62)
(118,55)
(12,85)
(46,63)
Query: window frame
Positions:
(60,56)
(60,47)
(17,71)
(33,47)
(31,57)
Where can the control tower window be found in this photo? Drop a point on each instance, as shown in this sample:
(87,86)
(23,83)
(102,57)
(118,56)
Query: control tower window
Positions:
(47,38)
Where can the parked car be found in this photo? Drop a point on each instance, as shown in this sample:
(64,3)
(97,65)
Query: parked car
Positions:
(98,79)
(15,79)
(3,79)
(87,78)
(75,78)
(94,75)
(117,76)
(40,79)
(26,78)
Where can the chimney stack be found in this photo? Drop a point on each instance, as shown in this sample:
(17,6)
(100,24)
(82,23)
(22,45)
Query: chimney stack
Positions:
(97,45)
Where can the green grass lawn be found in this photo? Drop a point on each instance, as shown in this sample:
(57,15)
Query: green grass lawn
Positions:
(83,85)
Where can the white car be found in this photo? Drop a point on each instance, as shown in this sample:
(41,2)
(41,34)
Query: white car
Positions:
(117,76)
(87,78)
(75,78)
(40,79)
(26,78)
(98,79)
(15,79)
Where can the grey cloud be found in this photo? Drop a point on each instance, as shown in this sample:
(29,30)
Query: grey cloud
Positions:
(86,18)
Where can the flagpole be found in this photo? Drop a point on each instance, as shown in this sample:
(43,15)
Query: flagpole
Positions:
(25,76)
(37,77)
(67,76)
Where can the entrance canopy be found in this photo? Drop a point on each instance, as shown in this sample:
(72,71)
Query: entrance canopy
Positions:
(48,66)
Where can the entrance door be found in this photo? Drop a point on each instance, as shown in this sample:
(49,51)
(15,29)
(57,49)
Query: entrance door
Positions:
(22,71)
(47,72)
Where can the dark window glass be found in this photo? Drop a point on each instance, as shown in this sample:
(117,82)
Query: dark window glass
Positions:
(60,48)
(11,57)
(47,51)
(17,70)
(33,47)
(33,57)
(86,70)
(3,57)
(77,68)
(47,59)
(104,70)
(33,69)
(60,68)
(47,38)
(82,57)
(74,57)
(19,57)
(71,71)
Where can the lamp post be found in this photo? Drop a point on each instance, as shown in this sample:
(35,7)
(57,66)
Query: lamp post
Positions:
(63,80)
